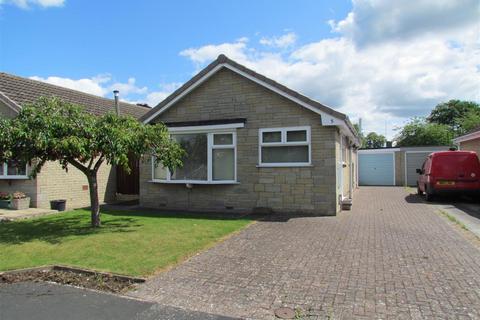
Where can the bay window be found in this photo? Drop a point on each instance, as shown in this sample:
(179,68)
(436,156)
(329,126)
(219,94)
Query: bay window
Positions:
(284,147)
(210,158)
(13,169)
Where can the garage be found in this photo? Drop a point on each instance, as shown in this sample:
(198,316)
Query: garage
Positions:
(392,165)
(413,161)
(376,168)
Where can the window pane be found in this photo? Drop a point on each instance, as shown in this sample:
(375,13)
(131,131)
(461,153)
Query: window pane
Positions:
(223,139)
(15,168)
(297,135)
(272,136)
(195,161)
(160,172)
(223,164)
(285,154)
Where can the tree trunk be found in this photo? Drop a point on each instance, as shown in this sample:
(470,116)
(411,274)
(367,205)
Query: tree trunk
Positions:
(94,203)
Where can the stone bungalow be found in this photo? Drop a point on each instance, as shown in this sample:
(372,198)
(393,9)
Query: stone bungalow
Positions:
(53,182)
(253,145)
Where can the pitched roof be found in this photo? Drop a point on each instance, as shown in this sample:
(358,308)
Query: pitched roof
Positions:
(470,135)
(16,91)
(223,60)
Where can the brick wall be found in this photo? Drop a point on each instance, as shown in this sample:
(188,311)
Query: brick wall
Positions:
(472,145)
(54,183)
(400,168)
(306,190)
(6,112)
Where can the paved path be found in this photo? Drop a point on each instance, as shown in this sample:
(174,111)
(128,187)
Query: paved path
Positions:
(46,301)
(391,257)
(11,215)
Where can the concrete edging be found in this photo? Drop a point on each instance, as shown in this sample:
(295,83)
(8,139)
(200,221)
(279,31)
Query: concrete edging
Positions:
(56,267)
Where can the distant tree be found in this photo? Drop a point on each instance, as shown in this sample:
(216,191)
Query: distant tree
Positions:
(374,140)
(419,132)
(360,133)
(53,130)
(453,114)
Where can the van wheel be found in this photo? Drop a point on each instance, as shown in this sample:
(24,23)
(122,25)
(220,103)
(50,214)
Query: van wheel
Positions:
(419,192)
(428,195)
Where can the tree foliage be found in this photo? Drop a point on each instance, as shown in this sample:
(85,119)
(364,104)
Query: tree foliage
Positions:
(419,132)
(374,140)
(53,130)
(470,121)
(457,114)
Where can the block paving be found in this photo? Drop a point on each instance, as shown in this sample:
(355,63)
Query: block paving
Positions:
(391,257)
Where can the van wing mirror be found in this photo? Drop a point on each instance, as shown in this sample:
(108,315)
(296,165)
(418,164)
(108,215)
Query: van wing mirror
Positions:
(419,171)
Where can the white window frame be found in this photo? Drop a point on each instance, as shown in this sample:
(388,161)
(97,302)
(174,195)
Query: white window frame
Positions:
(284,143)
(4,173)
(210,147)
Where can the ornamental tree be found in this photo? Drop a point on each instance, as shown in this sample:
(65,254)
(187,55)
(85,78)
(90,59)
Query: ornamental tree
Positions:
(53,130)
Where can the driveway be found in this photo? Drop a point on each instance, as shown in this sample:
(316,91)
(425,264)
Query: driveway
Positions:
(392,257)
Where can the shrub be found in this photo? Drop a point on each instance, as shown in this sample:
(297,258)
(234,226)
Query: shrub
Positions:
(18,195)
(4,196)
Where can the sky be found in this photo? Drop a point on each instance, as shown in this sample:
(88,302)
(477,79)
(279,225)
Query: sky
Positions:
(382,61)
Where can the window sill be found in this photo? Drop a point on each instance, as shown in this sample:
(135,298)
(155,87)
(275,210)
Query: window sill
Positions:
(284,165)
(193,182)
(14,178)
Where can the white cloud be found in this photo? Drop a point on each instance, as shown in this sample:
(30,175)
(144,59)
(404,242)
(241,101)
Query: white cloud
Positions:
(155,97)
(385,82)
(103,86)
(236,50)
(128,88)
(283,41)
(92,85)
(26,4)
(373,21)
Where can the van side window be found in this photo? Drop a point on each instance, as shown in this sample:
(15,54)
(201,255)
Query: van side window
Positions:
(423,166)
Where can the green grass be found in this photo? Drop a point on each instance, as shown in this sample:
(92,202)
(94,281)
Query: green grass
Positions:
(134,243)
(454,220)
(410,189)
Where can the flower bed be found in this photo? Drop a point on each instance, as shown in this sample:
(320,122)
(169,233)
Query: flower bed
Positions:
(16,200)
(73,276)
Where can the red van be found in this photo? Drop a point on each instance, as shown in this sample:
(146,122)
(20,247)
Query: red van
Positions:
(449,172)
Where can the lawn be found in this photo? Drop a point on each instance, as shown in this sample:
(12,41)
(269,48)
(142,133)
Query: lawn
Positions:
(136,243)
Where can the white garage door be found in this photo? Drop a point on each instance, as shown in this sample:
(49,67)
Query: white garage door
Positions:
(414,161)
(376,169)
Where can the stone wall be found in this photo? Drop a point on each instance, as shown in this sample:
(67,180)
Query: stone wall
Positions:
(226,95)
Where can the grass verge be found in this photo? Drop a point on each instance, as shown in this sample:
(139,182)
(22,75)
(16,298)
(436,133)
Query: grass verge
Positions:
(453,219)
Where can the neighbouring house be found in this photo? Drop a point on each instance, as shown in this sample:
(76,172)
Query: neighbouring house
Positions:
(469,141)
(53,182)
(252,145)
(392,166)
